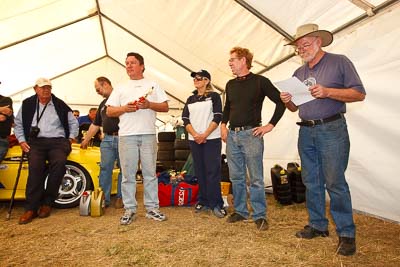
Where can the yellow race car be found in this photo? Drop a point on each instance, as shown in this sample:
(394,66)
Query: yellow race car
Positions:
(82,173)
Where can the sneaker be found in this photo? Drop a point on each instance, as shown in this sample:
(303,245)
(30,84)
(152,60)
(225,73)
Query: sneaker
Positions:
(200,207)
(346,246)
(156,215)
(309,232)
(262,224)
(219,212)
(235,217)
(118,203)
(127,218)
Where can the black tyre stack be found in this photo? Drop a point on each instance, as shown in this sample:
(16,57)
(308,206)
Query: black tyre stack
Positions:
(166,151)
(182,151)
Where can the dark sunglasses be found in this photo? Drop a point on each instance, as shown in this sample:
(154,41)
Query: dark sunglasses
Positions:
(199,78)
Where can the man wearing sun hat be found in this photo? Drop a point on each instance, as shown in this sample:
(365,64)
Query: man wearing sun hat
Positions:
(44,127)
(323,137)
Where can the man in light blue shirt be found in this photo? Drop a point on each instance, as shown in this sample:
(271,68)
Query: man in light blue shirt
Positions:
(45,127)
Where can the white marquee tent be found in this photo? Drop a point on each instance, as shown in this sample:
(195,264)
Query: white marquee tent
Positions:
(74,41)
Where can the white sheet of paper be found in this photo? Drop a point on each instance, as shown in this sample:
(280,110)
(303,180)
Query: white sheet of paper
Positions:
(296,88)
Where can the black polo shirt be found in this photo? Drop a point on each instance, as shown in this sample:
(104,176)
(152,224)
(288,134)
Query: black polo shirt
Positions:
(110,124)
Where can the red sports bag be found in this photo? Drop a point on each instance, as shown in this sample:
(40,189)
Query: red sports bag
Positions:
(181,194)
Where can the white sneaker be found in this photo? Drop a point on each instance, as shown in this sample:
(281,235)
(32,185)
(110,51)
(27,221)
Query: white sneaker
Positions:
(156,215)
(127,218)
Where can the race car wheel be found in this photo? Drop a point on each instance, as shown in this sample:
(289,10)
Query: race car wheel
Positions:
(76,181)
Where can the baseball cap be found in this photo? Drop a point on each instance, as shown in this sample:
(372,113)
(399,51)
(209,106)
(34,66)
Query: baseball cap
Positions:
(42,82)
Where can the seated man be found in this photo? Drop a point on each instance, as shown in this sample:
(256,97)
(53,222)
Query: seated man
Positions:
(45,128)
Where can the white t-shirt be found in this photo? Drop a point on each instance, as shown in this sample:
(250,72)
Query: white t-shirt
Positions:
(143,120)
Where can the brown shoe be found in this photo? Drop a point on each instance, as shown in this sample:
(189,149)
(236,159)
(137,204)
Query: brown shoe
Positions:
(27,217)
(44,211)
(346,246)
(119,204)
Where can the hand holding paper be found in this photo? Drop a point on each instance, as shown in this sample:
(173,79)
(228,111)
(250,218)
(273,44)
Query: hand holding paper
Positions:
(297,89)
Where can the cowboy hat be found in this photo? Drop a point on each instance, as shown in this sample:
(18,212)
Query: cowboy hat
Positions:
(312,31)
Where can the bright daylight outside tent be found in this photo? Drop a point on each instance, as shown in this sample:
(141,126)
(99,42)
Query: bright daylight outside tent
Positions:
(74,41)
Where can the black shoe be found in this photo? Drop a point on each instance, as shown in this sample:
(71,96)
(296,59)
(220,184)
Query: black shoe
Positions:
(309,232)
(262,224)
(235,217)
(346,246)
(200,208)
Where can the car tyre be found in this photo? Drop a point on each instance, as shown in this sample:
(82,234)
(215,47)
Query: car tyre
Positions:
(76,180)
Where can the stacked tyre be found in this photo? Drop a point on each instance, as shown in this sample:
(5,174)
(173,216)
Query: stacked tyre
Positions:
(166,151)
(182,152)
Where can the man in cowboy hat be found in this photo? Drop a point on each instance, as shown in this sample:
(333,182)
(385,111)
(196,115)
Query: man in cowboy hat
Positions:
(323,138)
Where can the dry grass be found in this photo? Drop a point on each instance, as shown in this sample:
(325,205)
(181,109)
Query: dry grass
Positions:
(187,239)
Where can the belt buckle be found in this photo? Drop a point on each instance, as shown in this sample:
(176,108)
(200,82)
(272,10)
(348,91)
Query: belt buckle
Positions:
(312,123)
(237,129)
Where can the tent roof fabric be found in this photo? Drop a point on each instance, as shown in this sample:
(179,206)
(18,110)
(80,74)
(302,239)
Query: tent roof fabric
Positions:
(176,37)
(74,41)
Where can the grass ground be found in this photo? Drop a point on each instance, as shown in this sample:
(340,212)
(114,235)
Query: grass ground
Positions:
(187,239)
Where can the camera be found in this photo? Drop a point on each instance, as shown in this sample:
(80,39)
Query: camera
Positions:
(34,132)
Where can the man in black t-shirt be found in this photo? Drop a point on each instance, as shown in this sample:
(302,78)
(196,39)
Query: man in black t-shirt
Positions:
(109,143)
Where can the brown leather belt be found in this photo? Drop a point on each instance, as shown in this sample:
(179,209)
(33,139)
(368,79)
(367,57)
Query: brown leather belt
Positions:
(312,123)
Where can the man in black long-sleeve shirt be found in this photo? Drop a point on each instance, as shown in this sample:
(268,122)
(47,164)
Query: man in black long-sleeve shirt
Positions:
(244,140)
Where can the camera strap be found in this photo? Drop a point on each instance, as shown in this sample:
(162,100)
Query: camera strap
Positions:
(38,117)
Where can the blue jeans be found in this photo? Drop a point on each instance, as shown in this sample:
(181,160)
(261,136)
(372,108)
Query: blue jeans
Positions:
(131,149)
(109,154)
(324,153)
(245,150)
